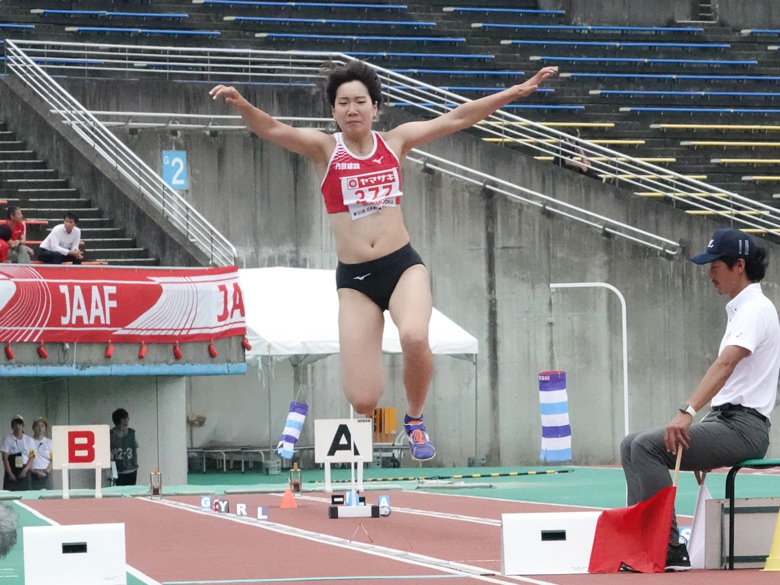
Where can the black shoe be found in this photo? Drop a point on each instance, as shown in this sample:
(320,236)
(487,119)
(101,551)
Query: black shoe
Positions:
(677,558)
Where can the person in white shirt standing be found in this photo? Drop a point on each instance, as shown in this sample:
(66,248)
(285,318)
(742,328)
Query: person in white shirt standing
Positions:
(41,469)
(18,454)
(62,243)
(740,385)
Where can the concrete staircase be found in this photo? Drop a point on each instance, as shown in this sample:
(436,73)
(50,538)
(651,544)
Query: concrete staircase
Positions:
(45,196)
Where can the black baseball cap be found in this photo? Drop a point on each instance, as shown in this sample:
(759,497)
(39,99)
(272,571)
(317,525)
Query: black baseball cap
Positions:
(727,242)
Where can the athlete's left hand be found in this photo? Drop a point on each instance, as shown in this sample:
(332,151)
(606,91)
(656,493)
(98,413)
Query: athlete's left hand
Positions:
(530,86)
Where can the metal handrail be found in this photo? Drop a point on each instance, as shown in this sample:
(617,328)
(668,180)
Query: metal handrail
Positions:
(170,203)
(242,65)
(428,161)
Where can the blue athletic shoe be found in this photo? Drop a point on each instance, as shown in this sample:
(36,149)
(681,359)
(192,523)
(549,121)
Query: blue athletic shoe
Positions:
(419,444)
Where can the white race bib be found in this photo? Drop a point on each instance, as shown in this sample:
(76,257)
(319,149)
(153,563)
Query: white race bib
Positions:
(370,192)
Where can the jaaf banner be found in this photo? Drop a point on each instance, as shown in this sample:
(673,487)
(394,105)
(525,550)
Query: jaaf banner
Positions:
(102,304)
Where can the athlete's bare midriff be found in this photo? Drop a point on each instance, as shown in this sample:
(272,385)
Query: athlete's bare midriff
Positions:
(370,237)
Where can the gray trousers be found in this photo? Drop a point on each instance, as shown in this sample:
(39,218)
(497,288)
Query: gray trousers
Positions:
(19,256)
(721,439)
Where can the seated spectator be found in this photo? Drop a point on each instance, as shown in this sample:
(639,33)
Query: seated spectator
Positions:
(124,448)
(62,243)
(567,159)
(5,237)
(18,453)
(41,469)
(19,253)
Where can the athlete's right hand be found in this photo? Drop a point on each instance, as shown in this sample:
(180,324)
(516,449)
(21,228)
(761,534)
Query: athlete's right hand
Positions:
(228,93)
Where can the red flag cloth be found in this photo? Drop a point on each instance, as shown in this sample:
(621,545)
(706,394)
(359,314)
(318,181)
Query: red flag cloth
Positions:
(637,536)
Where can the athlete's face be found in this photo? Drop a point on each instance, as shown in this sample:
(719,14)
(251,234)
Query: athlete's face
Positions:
(354,111)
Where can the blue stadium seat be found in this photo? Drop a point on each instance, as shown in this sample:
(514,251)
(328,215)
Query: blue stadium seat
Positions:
(466,88)
(455,72)
(760,31)
(583,28)
(4,25)
(699,110)
(618,44)
(142,31)
(143,15)
(415,55)
(503,10)
(302,4)
(640,60)
(606,75)
(329,21)
(682,93)
(316,37)
(509,107)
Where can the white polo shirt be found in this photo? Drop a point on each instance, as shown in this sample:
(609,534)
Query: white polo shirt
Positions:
(42,452)
(11,445)
(61,241)
(753,324)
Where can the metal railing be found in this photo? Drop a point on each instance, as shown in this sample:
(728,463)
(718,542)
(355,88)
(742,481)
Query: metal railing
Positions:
(205,122)
(165,199)
(285,67)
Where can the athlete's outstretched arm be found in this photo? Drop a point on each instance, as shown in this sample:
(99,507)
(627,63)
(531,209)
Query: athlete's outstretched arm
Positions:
(413,134)
(310,143)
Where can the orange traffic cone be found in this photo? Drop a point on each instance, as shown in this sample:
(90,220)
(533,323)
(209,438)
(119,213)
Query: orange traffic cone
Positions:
(288,500)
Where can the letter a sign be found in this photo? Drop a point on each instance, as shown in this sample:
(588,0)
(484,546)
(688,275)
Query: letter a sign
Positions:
(81,447)
(343,440)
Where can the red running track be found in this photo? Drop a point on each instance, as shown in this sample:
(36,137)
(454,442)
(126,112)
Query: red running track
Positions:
(427,536)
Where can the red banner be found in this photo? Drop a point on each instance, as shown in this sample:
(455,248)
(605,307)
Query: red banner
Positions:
(101,304)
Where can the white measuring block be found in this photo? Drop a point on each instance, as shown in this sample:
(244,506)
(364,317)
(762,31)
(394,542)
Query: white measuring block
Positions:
(335,512)
(553,543)
(85,554)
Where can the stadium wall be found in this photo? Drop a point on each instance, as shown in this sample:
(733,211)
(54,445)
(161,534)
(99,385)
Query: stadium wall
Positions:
(491,262)
(156,405)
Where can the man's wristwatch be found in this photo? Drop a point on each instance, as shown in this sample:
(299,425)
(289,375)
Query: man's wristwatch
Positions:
(688,408)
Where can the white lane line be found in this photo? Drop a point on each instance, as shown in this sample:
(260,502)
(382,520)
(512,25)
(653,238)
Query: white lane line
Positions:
(132,570)
(381,551)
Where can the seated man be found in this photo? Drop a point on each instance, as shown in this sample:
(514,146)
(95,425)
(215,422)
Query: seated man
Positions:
(741,383)
(62,243)
(19,253)
(5,237)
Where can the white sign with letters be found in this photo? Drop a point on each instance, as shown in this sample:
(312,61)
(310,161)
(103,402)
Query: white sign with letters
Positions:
(343,440)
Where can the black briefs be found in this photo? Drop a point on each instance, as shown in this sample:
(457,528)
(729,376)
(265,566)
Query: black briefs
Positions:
(378,278)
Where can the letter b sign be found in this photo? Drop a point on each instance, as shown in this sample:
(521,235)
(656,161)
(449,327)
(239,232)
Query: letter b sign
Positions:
(81,447)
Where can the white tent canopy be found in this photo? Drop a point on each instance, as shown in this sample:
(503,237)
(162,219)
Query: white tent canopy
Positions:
(294,312)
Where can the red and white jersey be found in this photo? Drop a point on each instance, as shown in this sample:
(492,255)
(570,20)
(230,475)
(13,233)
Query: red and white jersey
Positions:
(18,230)
(362,185)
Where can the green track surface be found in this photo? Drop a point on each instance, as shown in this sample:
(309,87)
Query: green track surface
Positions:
(599,487)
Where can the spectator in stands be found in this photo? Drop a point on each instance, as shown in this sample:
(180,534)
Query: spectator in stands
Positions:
(572,157)
(5,237)
(18,453)
(740,386)
(378,269)
(8,531)
(41,469)
(19,253)
(62,243)
(124,448)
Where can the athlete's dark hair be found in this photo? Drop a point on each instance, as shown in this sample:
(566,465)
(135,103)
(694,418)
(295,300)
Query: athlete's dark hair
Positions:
(353,71)
(118,415)
(5,232)
(71,215)
(10,211)
(755,267)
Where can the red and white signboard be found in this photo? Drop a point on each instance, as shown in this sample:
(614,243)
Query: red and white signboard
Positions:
(102,304)
(81,447)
